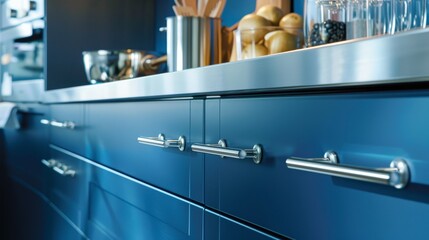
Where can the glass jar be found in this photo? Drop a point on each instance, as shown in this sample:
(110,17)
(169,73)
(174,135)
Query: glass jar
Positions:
(324,21)
(357,19)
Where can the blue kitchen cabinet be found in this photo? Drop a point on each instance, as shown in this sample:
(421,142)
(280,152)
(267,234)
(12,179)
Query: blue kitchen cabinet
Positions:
(122,207)
(27,145)
(367,130)
(113,131)
(218,227)
(67,128)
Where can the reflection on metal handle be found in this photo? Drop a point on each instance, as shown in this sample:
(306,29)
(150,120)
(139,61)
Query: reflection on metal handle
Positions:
(64,170)
(45,122)
(66,124)
(160,141)
(397,175)
(58,167)
(220,149)
(49,163)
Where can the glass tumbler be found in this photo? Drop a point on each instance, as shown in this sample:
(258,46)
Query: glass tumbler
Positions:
(324,22)
(402,15)
(380,17)
(418,13)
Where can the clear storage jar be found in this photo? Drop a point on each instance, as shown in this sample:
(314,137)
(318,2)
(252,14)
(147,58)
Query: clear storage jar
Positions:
(338,20)
(324,21)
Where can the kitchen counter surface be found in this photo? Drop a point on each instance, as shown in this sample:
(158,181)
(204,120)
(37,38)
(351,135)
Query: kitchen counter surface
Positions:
(403,58)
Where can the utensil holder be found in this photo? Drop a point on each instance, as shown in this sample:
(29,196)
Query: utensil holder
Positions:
(193,42)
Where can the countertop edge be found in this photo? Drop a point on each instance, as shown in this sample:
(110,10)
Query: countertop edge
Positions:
(374,61)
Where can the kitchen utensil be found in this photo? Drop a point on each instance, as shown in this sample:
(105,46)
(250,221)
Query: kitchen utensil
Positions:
(209,7)
(217,11)
(106,66)
(200,8)
(193,42)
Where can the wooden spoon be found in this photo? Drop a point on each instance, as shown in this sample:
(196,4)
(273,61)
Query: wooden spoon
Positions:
(191,4)
(209,7)
(217,11)
(201,7)
(178,2)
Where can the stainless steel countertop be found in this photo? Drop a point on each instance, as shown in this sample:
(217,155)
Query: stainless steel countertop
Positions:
(400,58)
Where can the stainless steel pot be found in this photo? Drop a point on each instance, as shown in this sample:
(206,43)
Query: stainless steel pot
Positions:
(106,66)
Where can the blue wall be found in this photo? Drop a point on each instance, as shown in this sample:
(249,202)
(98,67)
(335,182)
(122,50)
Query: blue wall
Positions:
(234,10)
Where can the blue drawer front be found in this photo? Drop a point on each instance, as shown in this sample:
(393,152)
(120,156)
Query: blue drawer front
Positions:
(113,129)
(217,227)
(70,193)
(123,208)
(70,139)
(366,130)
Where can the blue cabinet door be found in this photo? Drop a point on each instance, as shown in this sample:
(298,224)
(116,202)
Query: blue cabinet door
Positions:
(27,146)
(365,129)
(218,227)
(113,129)
(121,207)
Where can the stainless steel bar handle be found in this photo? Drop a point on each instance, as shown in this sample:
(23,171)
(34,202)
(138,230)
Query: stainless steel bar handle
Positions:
(397,175)
(49,163)
(65,124)
(64,170)
(45,122)
(220,149)
(160,141)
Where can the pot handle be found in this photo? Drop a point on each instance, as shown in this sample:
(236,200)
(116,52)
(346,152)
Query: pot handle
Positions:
(150,64)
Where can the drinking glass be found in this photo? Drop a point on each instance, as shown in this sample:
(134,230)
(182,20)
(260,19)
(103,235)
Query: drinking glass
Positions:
(402,15)
(418,13)
(380,17)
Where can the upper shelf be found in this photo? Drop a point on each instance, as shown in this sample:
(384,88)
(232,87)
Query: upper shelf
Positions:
(383,60)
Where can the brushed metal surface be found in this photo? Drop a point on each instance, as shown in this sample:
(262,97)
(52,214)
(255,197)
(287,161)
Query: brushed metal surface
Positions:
(382,60)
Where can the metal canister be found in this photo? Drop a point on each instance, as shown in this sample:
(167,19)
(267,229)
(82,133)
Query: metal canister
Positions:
(193,42)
